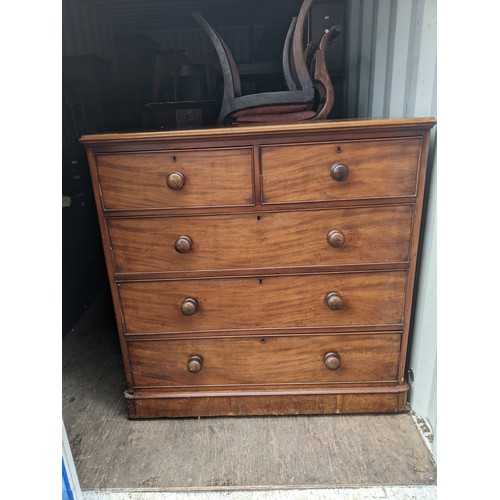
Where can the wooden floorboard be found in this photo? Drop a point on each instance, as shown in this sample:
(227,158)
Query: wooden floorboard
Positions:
(111,451)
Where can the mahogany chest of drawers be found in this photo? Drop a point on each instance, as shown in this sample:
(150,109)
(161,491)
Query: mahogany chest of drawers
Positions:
(263,270)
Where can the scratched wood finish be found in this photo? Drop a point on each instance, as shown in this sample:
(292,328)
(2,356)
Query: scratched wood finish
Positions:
(276,404)
(213,177)
(294,173)
(267,302)
(266,361)
(265,240)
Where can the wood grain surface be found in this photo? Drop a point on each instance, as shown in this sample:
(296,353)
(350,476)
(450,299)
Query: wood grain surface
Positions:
(312,129)
(213,177)
(266,361)
(377,169)
(271,404)
(267,302)
(266,240)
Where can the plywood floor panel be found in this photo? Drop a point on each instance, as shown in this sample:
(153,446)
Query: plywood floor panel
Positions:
(111,451)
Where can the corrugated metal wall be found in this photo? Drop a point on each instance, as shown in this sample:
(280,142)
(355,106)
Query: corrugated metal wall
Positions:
(195,41)
(391,55)
(391,58)
(85,31)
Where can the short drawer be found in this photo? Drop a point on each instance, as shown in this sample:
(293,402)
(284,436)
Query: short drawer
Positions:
(362,169)
(248,241)
(309,360)
(176,179)
(279,302)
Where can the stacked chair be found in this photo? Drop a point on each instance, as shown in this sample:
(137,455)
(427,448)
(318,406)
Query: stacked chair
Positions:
(309,94)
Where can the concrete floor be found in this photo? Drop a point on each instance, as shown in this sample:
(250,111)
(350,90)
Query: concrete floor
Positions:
(297,457)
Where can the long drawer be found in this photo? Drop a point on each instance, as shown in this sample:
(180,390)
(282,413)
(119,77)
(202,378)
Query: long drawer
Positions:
(278,239)
(314,301)
(176,179)
(311,359)
(340,170)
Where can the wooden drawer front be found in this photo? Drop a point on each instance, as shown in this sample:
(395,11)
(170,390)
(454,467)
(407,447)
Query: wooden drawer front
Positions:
(265,361)
(268,302)
(221,177)
(371,235)
(377,169)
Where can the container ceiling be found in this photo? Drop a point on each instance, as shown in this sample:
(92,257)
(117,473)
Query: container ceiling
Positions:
(152,15)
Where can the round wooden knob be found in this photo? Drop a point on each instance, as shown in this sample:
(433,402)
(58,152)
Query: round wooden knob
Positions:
(334,301)
(183,244)
(335,238)
(332,360)
(189,306)
(176,180)
(194,364)
(339,172)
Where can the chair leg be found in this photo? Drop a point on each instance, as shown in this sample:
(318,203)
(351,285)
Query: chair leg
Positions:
(225,110)
(321,74)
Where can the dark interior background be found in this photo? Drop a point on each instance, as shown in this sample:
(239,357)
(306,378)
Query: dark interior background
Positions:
(110,49)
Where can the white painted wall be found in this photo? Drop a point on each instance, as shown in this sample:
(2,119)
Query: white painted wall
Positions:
(391,60)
